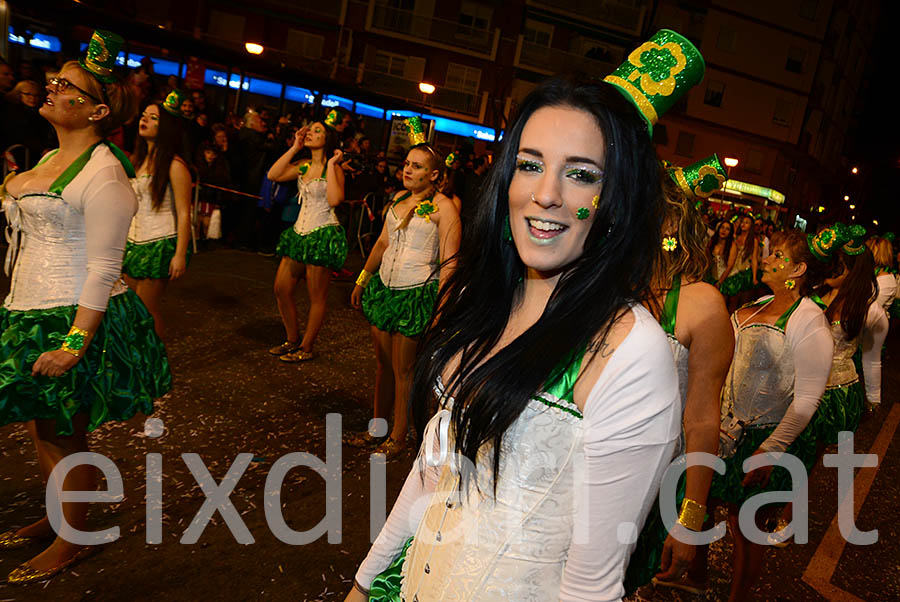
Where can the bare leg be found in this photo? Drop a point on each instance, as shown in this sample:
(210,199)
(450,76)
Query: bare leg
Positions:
(286,279)
(384,374)
(51,449)
(151,290)
(403,356)
(748,559)
(41,527)
(317,279)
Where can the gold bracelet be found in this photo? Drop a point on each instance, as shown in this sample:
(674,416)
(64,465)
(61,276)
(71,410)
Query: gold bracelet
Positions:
(74,341)
(692,515)
(363,278)
(360,588)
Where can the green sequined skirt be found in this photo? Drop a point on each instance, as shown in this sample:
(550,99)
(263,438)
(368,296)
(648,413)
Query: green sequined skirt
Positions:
(403,310)
(647,554)
(737,283)
(840,410)
(152,259)
(325,246)
(386,585)
(124,369)
(728,487)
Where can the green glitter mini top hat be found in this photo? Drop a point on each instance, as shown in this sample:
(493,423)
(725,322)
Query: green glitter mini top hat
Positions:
(451,159)
(829,240)
(700,179)
(100,58)
(658,73)
(854,235)
(174,103)
(334,118)
(415,131)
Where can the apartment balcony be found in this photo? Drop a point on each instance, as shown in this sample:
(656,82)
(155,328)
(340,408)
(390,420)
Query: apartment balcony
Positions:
(615,14)
(550,61)
(441,33)
(444,99)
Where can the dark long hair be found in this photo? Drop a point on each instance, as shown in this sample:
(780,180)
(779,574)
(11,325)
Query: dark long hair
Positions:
(171,142)
(332,142)
(857,292)
(714,239)
(612,272)
(746,252)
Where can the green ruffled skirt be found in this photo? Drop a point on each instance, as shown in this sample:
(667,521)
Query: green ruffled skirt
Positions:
(124,370)
(386,585)
(325,246)
(647,554)
(840,410)
(728,487)
(737,283)
(151,260)
(403,310)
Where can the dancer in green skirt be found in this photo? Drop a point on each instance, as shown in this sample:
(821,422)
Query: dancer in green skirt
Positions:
(158,248)
(77,348)
(316,244)
(398,287)
(740,275)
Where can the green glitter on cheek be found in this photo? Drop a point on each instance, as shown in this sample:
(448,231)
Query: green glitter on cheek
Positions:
(583,213)
(71,103)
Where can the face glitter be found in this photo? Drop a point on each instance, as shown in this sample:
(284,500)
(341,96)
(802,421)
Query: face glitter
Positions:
(582,213)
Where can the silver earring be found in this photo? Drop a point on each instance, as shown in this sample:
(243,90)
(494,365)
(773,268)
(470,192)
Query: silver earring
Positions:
(533,200)
(90,118)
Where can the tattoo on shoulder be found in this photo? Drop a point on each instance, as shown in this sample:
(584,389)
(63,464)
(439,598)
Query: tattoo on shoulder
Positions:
(602,348)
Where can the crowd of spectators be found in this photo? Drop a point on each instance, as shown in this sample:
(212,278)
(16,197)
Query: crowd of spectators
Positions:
(231,154)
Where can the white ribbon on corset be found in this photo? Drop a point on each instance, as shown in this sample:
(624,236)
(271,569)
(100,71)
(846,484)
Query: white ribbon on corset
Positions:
(12,233)
(439,426)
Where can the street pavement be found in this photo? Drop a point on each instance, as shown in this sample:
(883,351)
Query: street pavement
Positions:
(231,398)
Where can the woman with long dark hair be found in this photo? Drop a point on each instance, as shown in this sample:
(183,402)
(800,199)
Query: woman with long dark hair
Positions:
(316,244)
(159,239)
(559,403)
(693,315)
(743,259)
(398,286)
(719,250)
(78,347)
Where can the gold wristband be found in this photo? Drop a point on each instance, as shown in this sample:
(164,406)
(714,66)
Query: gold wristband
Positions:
(363,279)
(74,341)
(692,515)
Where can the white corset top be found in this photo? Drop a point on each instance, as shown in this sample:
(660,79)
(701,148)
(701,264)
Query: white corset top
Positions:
(150,224)
(680,354)
(315,211)
(51,263)
(843,372)
(412,256)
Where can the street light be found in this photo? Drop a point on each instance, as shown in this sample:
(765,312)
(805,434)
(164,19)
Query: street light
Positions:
(875,221)
(253,48)
(731,161)
(426,88)
(854,170)
(852,207)
(846,197)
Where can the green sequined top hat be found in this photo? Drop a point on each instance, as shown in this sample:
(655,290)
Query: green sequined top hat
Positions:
(829,240)
(100,58)
(415,131)
(700,179)
(658,73)
(174,103)
(854,235)
(334,118)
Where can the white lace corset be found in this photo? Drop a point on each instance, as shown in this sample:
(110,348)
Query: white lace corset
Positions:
(151,224)
(412,256)
(51,264)
(513,546)
(760,382)
(719,265)
(315,211)
(680,353)
(843,372)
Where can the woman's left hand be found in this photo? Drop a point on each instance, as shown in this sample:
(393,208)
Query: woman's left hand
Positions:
(676,558)
(177,267)
(54,363)
(337,157)
(760,476)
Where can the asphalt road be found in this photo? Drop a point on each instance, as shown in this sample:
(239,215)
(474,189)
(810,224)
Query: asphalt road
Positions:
(231,398)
